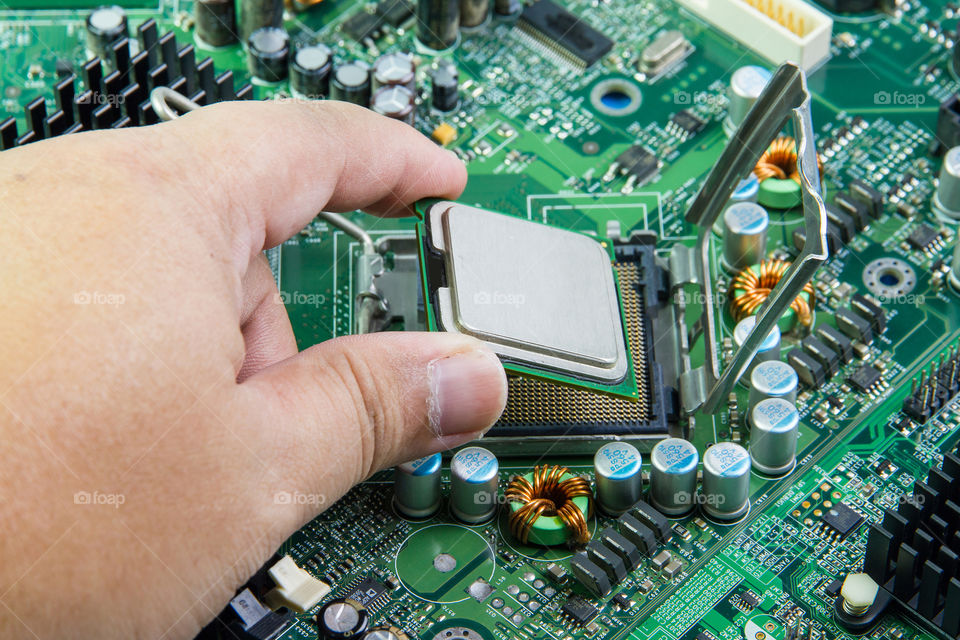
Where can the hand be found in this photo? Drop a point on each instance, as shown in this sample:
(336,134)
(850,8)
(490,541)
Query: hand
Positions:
(152,400)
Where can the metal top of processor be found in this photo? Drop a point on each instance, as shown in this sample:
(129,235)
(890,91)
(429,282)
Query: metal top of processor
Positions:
(535,294)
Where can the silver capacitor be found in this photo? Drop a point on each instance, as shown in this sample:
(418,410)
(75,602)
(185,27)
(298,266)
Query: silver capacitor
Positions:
(774,428)
(474,479)
(746,85)
(746,190)
(947,198)
(744,234)
(773,379)
(392,69)
(395,102)
(673,476)
(769,348)
(726,481)
(955,266)
(618,468)
(473,13)
(416,487)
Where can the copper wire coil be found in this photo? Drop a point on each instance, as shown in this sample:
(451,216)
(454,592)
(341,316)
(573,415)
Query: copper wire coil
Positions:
(550,496)
(756,288)
(780,161)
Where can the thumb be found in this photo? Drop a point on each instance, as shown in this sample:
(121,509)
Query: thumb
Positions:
(348,407)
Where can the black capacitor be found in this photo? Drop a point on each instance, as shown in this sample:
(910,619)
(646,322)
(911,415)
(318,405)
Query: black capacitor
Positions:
(438,23)
(105,25)
(446,88)
(268,54)
(351,83)
(395,101)
(257,14)
(216,22)
(394,69)
(310,71)
(473,13)
(505,8)
(342,619)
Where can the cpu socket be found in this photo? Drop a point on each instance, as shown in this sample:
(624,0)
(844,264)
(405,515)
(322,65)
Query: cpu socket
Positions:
(545,300)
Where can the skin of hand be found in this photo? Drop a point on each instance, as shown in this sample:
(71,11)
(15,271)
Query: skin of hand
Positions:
(160,434)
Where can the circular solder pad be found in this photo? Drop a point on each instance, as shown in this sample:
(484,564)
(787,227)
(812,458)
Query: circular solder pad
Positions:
(889,278)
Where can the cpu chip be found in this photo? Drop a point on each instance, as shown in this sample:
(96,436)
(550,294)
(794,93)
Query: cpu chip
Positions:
(544,299)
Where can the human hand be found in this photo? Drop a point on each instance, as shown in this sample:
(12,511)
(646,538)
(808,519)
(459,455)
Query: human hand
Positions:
(146,429)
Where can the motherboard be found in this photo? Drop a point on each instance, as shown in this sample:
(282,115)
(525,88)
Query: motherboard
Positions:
(714,243)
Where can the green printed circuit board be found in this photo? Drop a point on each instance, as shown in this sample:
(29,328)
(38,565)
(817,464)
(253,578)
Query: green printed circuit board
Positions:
(592,125)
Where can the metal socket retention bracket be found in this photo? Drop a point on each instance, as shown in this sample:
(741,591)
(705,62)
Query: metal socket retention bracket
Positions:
(784,97)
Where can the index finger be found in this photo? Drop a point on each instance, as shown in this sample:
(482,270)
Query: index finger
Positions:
(278,163)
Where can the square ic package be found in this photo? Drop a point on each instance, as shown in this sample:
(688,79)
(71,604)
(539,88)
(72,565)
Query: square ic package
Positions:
(544,299)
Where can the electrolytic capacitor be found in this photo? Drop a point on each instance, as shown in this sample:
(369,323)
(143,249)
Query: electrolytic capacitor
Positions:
(342,619)
(416,487)
(947,198)
(726,481)
(445,88)
(619,476)
(747,190)
(773,379)
(673,476)
(746,85)
(268,53)
(351,83)
(438,23)
(473,13)
(216,22)
(257,14)
(507,8)
(105,25)
(774,428)
(769,348)
(395,102)
(394,69)
(310,71)
(474,480)
(744,234)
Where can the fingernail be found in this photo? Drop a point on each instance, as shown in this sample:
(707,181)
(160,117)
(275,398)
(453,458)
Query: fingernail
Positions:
(468,392)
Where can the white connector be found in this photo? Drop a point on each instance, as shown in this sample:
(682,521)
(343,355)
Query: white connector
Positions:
(296,589)
(779,30)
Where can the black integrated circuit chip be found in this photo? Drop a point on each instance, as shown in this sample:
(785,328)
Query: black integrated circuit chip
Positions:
(639,163)
(361,25)
(579,610)
(842,519)
(864,378)
(395,12)
(370,593)
(751,599)
(688,122)
(922,237)
(565,31)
